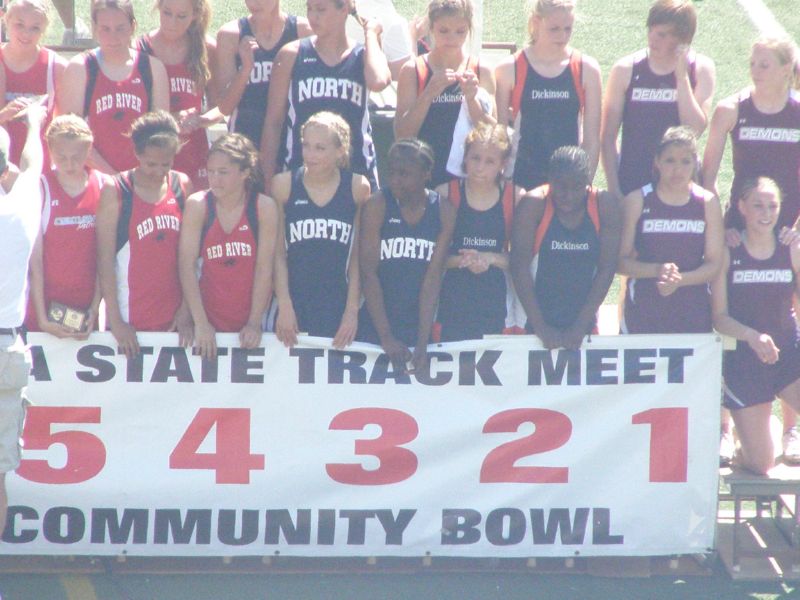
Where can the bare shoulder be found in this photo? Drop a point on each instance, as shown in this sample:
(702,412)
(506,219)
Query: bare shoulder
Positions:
(229,29)
(590,63)
(704,62)
(281,186)
(361,189)
(266,203)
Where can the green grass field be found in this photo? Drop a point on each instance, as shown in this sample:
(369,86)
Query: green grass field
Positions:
(606,29)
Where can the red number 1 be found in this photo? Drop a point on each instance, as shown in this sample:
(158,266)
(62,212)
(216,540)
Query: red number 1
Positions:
(669,442)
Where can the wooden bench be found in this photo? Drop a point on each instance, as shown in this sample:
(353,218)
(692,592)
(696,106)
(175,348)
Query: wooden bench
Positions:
(774,528)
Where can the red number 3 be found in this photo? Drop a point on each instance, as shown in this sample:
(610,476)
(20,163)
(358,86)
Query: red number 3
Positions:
(396,463)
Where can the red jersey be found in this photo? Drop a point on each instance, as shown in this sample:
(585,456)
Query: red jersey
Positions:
(37,80)
(148,288)
(112,108)
(229,265)
(69,246)
(183,95)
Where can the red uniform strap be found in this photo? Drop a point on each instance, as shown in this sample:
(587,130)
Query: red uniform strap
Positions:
(508,209)
(520,74)
(423,72)
(549,212)
(454,192)
(576,67)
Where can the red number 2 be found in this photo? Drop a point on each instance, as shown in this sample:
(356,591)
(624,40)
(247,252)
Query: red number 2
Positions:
(553,429)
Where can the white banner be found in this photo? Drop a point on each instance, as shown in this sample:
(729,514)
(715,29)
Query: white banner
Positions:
(501,449)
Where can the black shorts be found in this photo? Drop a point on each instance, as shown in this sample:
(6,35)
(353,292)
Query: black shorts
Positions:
(747,381)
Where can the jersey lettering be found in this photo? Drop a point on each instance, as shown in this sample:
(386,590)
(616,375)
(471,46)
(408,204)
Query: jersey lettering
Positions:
(559,245)
(330,87)
(654,95)
(769,134)
(550,95)
(261,71)
(673,226)
(448,98)
(407,247)
(478,242)
(763,276)
(118,100)
(181,85)
(159,222)
(238,249)
(79,221)
(321,229)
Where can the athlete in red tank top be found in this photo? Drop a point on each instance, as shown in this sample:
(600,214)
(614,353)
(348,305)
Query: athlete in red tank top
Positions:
(63,266)
(113,85)
(138,225)
(30,70)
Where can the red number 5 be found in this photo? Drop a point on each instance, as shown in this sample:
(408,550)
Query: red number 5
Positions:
(86,454)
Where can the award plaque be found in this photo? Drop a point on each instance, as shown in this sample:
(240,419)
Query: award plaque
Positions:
(69,317)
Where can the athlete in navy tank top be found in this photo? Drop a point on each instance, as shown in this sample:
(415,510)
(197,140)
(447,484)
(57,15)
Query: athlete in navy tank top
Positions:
(433,88)
(248,118)
(341,89)
(319,240)
(472,305)
(439,124)
(548,119)
(564,251)
(405,252)
(564,269)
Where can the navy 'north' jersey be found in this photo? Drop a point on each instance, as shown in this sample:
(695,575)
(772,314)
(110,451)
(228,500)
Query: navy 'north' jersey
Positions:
(248,118)
(341,89)
(319,240)
(405,253)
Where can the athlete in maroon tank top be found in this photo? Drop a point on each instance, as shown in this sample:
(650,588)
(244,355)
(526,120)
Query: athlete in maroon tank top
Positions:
(671,244)
(763,121)
(752,301)
(664,85)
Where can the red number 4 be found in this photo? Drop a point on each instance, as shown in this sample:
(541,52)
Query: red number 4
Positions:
(232,460)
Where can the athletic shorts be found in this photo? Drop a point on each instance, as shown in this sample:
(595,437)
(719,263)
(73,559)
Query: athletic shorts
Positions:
(747,381)
(15,365)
